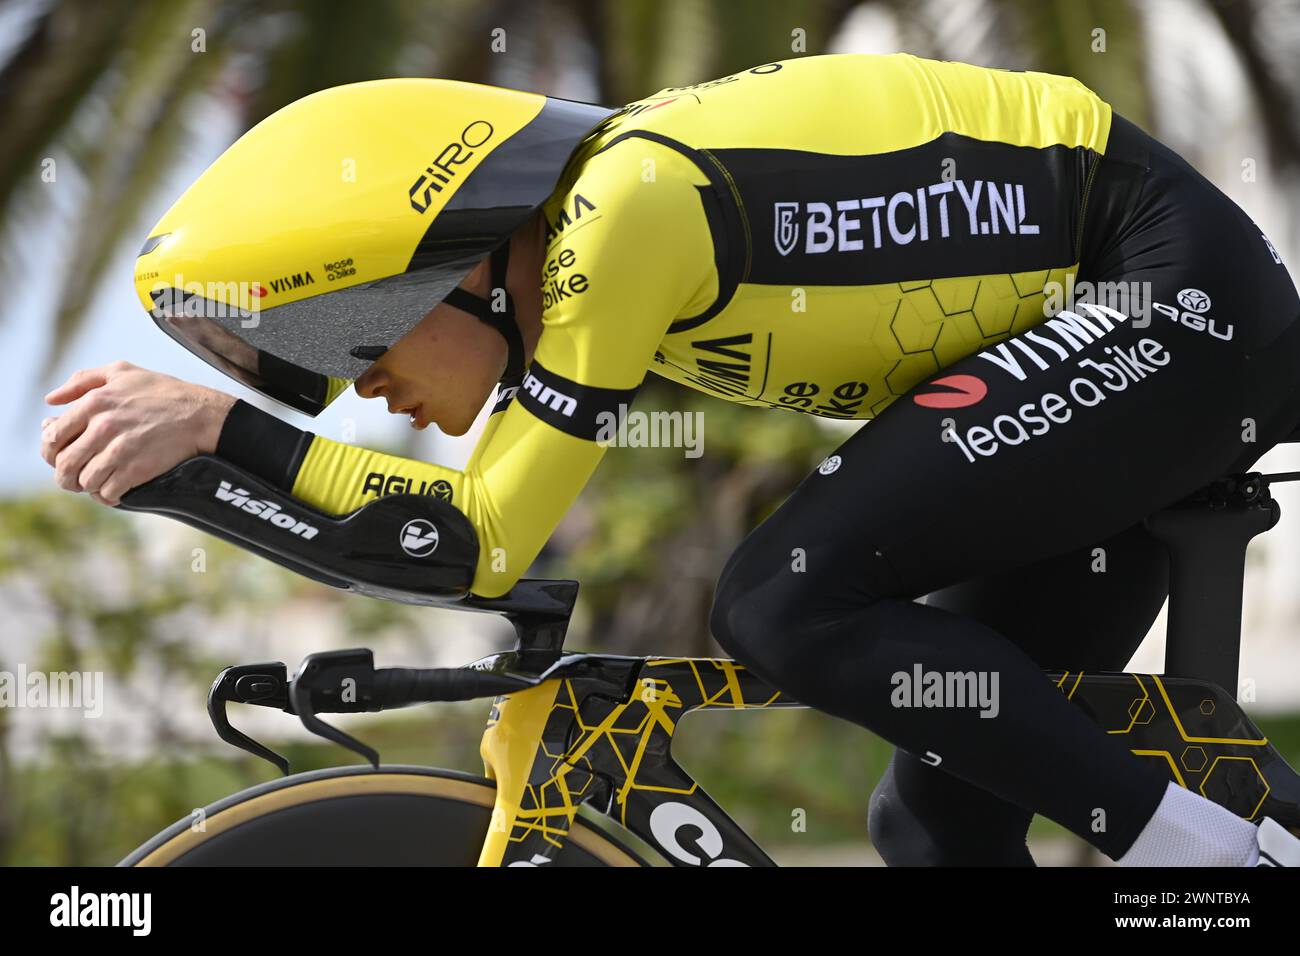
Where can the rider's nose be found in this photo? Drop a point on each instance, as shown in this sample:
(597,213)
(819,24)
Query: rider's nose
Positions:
(369,384)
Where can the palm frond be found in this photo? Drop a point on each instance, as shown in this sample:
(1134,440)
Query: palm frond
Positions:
(327,43)
(138,136)
(46,80)
(1246,27)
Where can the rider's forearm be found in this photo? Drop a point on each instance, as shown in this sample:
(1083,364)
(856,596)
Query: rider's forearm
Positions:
(262,444)
(338,478)
(328,475)
(514,491)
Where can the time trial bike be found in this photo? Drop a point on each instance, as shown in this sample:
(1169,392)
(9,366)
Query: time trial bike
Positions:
(568,729)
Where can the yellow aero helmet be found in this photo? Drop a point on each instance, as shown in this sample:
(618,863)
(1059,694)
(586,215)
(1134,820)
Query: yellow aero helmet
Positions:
(332,227)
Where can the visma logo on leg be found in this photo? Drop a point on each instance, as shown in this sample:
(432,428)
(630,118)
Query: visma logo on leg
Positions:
(1113,371)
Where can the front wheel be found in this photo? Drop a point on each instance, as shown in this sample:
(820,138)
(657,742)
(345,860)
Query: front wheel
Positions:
(357,816)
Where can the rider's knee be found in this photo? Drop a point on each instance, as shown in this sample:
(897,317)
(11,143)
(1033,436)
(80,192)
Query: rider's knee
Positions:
(771,601)
(753,618)
(731,619)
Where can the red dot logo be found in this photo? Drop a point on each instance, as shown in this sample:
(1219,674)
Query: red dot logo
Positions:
(259,290)
(964,390)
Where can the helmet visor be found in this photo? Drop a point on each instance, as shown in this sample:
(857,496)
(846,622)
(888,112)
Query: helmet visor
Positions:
(306,353)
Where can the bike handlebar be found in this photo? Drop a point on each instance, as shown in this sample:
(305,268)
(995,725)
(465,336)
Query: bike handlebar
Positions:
(403,686)
(343,682)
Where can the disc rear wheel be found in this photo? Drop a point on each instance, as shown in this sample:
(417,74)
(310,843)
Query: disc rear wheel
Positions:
(357,816)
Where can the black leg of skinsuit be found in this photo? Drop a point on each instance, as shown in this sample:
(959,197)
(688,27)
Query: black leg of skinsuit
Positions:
(819,600)
(922,816)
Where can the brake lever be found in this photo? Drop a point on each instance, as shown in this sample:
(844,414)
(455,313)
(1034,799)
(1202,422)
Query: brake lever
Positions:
(266,685)
(319,685)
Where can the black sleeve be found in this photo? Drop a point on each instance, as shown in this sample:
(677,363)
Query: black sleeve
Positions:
(262,444)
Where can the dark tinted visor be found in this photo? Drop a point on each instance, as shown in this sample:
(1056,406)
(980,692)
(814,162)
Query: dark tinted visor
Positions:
(305,353)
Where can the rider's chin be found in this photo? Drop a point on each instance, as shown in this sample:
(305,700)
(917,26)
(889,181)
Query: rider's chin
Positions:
(455,429)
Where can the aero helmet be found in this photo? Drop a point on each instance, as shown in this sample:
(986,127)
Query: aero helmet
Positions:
(332,227)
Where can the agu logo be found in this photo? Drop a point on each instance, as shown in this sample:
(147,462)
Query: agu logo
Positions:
(419,538)
(1194,300)
(829,466)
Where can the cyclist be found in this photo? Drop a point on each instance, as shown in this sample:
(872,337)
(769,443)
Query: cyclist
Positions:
(858,237)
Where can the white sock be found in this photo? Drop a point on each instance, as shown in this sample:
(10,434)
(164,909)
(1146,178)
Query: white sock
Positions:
(1188,830)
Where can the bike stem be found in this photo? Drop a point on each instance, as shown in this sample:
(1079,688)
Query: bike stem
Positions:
(1207,536)
(539,610)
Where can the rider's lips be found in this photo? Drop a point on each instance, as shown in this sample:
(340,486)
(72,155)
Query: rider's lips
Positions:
(964,390)
(416,415)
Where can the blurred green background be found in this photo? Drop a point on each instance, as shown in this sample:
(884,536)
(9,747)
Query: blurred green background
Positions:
(129,100)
